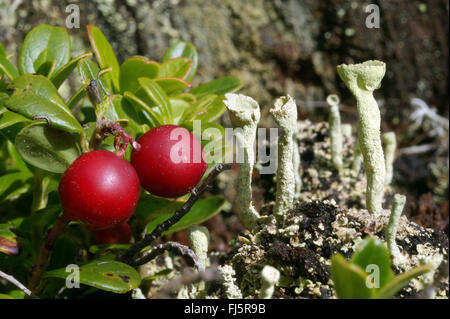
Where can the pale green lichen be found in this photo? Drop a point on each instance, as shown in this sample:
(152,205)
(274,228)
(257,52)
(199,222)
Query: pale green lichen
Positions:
(284,112)
(390,145)
(357,159)
(244,114)
(198,237)
(346,129)
(296,163)
(269,278)
(232,291)
(362,79)
(391,231)
(334,122)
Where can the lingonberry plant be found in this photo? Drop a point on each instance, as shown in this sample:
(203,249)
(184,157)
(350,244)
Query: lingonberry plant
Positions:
(70,158)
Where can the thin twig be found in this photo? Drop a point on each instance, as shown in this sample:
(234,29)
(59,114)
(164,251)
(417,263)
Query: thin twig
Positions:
(129,256)
(17,283)
(184,251)
(44,255)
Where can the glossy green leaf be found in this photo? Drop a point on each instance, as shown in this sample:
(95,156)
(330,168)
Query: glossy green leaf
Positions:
(36,96)
(179,107)
(46,69)
(8,240)
(219,86)
(88,70)
(8,68)
(172,86)
(150,206)
(134,68)
(397,284)
(105,55)
(198,108)
(373,252)
(213,110)
(47,148)
(42,44)
(8,118)
(183,49)
(202,210)
(175,68)
(76,98)
(124,110)
(100,249)
(155,119)
(2,50)
(349,279)
(107,275)
(158,96)
(58,77)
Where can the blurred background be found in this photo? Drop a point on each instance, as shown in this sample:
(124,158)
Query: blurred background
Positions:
(279,47)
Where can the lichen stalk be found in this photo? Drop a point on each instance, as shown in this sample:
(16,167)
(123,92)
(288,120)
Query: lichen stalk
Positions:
(334,123)
(362,79)
(244,114)
(198,237)
(269,278)
(284,112)
(390,145)
(391,231)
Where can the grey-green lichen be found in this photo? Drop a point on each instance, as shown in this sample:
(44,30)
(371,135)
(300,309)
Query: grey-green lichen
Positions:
(334,122)
(198,237)
(398,203)
(362,79)
(390,145)
(357,159)
(269,278)
(244,115)
(232,291)
(346,129)
(284,113)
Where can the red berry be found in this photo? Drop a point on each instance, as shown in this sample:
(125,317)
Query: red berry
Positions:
(170,161)
(99,189)
(120,234)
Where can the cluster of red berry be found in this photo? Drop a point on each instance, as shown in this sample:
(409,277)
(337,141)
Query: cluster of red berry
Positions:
(102,190)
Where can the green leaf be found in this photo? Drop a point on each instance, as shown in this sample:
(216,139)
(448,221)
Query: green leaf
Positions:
(201,211)
(197,108)
(9,118)
(150,206)
(155,119)
(8,240)
(158,96)
(2,50)
(125,111)
(397,284)
(42,44)
(105,55)
(183,49)
(172,86)
(219,86)
(34,96)
(13,184)
(8,68)
(47,68)
(349,279)
(213,110)
(47,148)
(76,97)
(134,68)
(107,275)
(179,107)
(58,77)
(100,249)
(175,68)
(373,252)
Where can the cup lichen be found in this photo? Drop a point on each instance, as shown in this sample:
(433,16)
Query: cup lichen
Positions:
(244,114)
(362,79)
(284,113)
(334,123)
(390,145)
